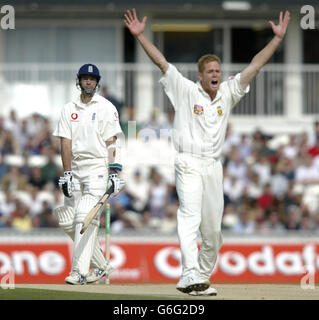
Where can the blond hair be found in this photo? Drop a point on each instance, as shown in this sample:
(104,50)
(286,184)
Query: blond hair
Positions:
(206,59)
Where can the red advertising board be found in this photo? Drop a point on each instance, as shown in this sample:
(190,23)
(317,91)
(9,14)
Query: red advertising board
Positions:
(159,262)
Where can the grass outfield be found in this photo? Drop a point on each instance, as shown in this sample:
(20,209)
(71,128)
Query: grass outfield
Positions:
(41,294)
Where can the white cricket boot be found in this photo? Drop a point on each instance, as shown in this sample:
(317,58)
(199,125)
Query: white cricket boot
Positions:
(208,292)
(75,278)
(96,274)
(192,282)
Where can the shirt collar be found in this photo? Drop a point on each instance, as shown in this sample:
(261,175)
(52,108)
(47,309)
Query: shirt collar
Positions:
(204,93)
(80,104)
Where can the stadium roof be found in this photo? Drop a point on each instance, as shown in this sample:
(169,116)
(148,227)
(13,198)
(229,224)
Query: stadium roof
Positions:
(155,3)
(158,8)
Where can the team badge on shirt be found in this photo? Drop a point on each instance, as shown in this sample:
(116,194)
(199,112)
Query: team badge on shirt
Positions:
(199,110)
(74,116)
(220,111)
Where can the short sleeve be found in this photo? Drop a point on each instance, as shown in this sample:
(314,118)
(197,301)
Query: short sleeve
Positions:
(63,128)
(110,125)
(236,91)
(175,85)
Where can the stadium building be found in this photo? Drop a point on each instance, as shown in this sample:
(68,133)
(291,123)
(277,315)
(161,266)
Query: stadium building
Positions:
(50,39)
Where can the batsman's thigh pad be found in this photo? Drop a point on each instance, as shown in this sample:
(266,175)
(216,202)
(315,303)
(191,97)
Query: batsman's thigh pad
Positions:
(97,181)
(86,203)
(65,216)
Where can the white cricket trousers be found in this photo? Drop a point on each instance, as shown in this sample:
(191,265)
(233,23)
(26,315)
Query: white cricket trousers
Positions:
(92,177)
(199,185)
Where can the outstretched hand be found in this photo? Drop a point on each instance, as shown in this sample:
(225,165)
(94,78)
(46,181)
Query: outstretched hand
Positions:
(135,26)
(281,28)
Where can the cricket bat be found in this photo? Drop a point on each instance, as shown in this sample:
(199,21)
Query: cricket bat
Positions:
(93,212)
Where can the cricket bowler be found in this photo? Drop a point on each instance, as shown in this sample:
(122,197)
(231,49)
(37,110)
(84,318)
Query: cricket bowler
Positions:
(202,110)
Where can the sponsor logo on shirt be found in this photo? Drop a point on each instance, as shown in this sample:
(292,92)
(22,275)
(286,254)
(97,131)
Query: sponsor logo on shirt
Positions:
(74,116)
(220,111)
(199,110)
(93,116)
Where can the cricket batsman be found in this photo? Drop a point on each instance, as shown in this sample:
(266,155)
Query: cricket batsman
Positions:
(89,132)
(202,110)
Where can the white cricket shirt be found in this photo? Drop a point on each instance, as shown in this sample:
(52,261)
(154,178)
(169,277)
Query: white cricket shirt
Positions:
(200,123)
(88,126)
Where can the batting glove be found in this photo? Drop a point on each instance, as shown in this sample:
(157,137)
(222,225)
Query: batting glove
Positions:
(65,183)
(117,183)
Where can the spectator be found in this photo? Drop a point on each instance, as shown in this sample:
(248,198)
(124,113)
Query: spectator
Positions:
(45,219)
(316,220)
(35,203)
(20,218)
(293,218)
(244,147)
(4,168)
(158,195)
(307,173)
(118,104)
(306,223)
(169,223)
(138,190)
(273,223)
(233,188)
(12,124)
(266,199)
(8,143)
(14,181)
(279,182)
(263,168)
(150,129)
(50,171)
(236,167)
(36,124)
(230,216)
(124,219)
(253,189)
(245,225)
(7,207)
(33,146)
(314,150)
(313,135)
(232,139)
(290,151)
(36,178)
(23,135)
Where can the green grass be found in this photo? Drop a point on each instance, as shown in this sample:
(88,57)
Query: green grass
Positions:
(43,294)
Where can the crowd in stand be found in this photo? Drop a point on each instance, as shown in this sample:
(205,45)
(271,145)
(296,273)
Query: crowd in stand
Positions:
(268,185)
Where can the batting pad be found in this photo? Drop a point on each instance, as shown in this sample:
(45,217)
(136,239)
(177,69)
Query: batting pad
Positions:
(83,248)
(98,259)
(65,217)
(86,203)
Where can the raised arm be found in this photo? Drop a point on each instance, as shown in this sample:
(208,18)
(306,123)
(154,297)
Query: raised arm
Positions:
(261,58)
(137,28)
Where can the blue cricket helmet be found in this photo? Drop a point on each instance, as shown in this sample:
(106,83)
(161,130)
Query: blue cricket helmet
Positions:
(89,69)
